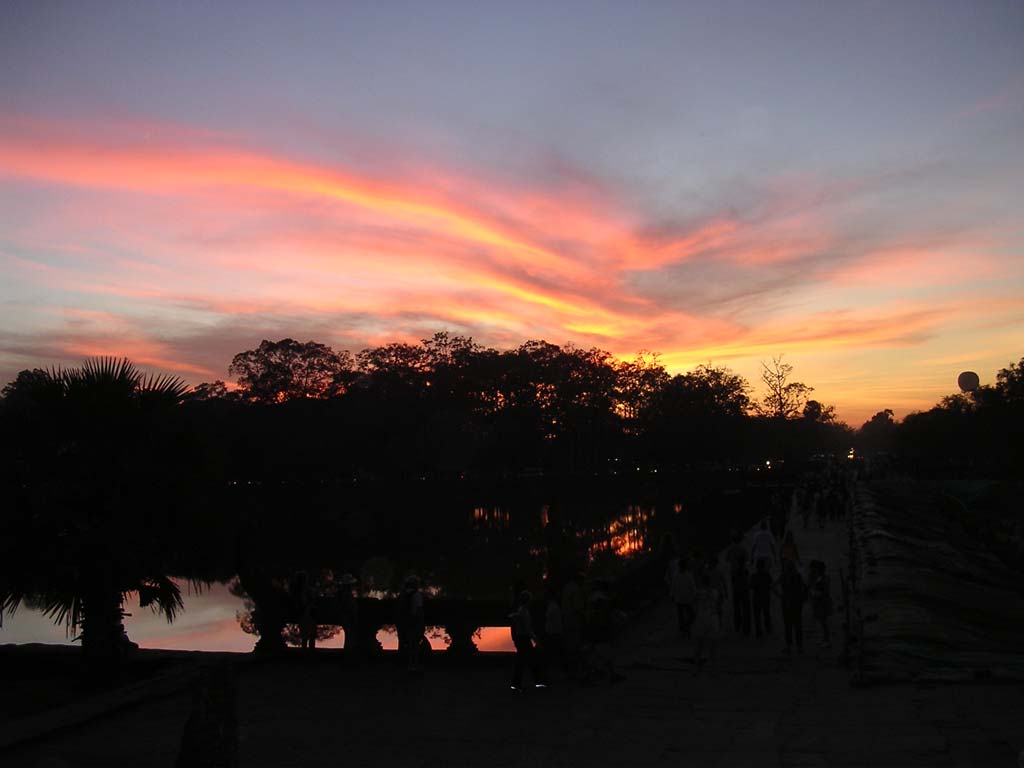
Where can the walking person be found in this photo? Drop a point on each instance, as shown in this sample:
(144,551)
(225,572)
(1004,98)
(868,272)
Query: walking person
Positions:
(761,590)
(552,639)
(739,580)
(821,600)
(777,514)
(600,633)
(797,503)
(349,610)
(683,592)
(573,622)
(763,546)
(525,641)
(306,596)
(720,585)
(793,593)
(411,624)
(788,552)
(668,559)
(707,624)
(811,502)
(824,508)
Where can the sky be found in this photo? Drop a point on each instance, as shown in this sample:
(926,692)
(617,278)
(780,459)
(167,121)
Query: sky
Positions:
(724,182)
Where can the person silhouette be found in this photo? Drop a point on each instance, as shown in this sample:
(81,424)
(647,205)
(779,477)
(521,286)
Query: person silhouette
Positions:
(707,624)
(793,592)
(525,640)
(761,588)
(789,551)
(573,621)
(763,545)
(739,580)
(683,591)
(821,600)
(411,623)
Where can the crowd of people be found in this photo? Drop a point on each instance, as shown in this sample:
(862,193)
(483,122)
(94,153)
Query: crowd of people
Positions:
(569,630)
(573,632)
(768,568)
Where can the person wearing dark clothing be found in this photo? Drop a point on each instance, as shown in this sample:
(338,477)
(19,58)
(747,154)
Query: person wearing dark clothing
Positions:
(600,631)
(525,641)
(683,591)
(349,610)
(553,641)
(777,515)
(304,594)
(410,623)
(573,622)
(793,593)
(739,580)
(761,590)
(821,601)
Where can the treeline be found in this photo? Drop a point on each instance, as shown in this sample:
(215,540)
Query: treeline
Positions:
(448,406)
(982,429)
(451,407)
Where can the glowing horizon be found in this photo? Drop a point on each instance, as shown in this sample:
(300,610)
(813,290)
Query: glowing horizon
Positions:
(181,224)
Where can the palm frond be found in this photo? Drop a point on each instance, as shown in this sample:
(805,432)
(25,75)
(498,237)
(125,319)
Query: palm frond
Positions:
(109,368)
(163,385)
(115,377)
(62,607)
(11,600)
(161,594)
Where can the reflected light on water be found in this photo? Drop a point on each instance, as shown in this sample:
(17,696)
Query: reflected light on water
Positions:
(626,534)
(628,531)
(490,517)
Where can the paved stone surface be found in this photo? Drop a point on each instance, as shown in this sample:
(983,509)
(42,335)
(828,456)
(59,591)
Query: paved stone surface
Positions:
(753,706)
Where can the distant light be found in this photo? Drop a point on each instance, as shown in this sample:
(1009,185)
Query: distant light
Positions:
(768,464)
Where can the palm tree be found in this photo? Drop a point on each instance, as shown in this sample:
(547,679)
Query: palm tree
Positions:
(99,468)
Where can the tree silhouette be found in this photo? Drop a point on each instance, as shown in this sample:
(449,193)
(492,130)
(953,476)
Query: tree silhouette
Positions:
(209,390)
(1010,382)
(287,369)
(819,413)
(639,380)
(696,416)
(878,432)
(101,470)
(784,399)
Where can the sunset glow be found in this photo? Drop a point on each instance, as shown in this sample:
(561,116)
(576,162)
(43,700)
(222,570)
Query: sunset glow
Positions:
(177,217)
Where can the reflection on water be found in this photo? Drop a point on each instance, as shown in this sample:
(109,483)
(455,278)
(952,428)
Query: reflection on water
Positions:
(208,623)
(627,534)
(498,535)
(491,517)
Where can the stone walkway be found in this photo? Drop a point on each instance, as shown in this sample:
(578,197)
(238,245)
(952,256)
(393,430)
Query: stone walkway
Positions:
(753,707)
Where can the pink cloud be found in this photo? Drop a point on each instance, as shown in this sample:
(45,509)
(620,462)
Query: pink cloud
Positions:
(160,239)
